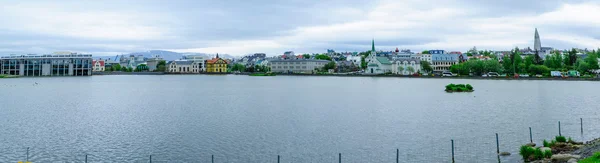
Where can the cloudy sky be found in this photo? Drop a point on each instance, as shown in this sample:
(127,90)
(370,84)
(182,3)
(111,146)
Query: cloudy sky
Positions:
(109,27)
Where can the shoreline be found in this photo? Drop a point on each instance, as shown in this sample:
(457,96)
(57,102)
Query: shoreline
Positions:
(343,75)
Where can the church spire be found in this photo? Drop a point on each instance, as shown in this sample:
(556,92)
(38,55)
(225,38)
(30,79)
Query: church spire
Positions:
(373,45)
(217,55)
(537,44)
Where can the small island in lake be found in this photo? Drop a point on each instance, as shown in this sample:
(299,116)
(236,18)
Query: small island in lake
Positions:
(459,88)
(262,74)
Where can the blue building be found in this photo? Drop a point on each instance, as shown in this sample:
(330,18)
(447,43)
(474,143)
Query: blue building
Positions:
(442,62)
(437,52)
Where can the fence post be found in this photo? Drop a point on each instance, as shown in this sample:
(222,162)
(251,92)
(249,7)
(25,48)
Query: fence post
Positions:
(397,155)
(277,158)
(452,150)
(497,145)
(150,158)
(530,136)
(27,158)
(86,158)
(340,158)
(212,158)
(559,134)
(581,122)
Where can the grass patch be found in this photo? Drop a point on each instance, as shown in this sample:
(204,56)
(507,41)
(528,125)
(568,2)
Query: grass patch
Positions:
(526,152)
(594,159)
(561,139)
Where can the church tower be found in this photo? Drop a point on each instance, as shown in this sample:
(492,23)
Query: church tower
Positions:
(537,44)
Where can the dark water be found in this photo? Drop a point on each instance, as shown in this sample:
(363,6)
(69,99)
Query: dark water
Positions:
(303,119)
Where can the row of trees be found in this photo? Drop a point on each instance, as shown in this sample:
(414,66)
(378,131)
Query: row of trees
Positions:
(255,68)
(477,67)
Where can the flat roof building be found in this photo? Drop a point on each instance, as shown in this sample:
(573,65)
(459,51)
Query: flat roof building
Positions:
(47,65)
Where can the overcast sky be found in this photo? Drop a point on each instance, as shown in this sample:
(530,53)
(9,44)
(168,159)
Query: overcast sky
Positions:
(235,27)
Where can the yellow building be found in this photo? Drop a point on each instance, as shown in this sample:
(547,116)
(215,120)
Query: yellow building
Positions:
(216,65)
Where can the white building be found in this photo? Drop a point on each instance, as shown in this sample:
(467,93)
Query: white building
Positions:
(354,59)
(406,66)
(426,57)
(98,65)
(182,66)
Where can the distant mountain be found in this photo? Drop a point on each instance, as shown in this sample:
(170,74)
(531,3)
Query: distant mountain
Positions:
(167,55)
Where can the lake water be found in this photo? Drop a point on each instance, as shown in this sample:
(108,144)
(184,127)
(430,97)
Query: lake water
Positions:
(242,119)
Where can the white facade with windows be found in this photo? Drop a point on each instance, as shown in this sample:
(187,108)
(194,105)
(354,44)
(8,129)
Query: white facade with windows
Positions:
(406,66)
(296,65)
(185,67)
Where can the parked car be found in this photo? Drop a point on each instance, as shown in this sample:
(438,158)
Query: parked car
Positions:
(447,74)
(493,74)
(555,74)
(524,75)
(573,73)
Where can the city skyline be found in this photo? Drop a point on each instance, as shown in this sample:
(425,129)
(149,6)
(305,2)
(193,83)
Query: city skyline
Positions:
(112,27)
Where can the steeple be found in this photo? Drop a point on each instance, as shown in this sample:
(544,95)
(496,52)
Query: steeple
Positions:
(217,55)
(537,44)
(373,45)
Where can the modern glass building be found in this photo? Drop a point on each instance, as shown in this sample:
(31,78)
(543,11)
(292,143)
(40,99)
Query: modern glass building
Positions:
(47,65)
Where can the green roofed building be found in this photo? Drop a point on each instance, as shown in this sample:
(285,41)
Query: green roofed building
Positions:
(377,65)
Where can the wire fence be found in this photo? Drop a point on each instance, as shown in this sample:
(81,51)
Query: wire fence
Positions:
(454,150)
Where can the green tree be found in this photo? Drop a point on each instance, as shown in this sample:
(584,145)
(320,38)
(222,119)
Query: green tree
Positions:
(363,63)
(410,70)
(323,57)
(306,56)
(400,70)
(425,66)
(571,59)
(124,69)
(529,60)
(161,66)
(582,66)
(116,67)
(592,60)
(238,67)
(507,64)
(425,52)
(129,69)
(539,69)
(492,66)
(330,65)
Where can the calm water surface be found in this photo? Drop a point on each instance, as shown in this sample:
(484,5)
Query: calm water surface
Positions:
(241,119)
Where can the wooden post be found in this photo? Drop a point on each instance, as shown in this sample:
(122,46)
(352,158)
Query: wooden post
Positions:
(212,158)
(497,145)
(559,134)
(27,158)
(150,158)
(340,158)
(452,150)
(581,123)
(397,155)
(85,158)
(277,158)
(530,136)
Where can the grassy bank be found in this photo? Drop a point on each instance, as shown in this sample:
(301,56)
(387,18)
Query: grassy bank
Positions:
(8,76)
(262,74)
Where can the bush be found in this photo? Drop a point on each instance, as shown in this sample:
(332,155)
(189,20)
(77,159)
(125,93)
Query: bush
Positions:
(548,154)
(526,152)
(538,154)
(546,144)
(561,139)
(570,140)
(469,87)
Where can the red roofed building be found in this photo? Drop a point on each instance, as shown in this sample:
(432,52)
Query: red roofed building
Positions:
(97,65)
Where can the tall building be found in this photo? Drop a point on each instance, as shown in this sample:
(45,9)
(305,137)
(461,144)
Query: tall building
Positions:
(537,44)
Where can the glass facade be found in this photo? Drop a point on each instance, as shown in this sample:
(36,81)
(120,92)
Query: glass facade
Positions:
(47,65)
